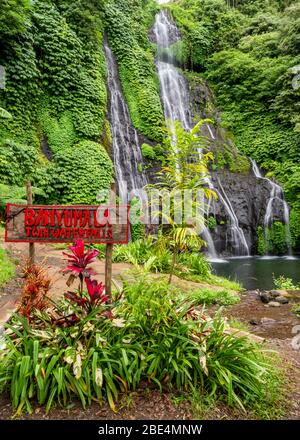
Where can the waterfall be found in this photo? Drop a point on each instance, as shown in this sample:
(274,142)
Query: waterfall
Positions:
(237,238)
(176,100)
(173,85)
(276,193)
(127,154)
(174,88)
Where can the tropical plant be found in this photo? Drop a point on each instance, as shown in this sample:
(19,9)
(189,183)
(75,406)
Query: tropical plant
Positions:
(94,298)
(184,173)
(285,283)
(212,296)
(194,263)
(153,335)
(35,289)
(78,261)
(7,267)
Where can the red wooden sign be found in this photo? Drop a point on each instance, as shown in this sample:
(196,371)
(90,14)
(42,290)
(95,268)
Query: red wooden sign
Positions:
(65,224)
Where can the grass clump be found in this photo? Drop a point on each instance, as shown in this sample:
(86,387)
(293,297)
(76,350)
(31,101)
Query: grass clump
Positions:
(211,297)
(146,333)
(7,268)
(296,309)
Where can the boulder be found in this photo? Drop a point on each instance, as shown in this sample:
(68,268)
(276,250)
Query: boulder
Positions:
(266,320)
(265,297)
(281,300)
(275,293)
(274,304)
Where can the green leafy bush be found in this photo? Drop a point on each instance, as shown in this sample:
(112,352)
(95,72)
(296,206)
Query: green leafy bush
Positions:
(295,228)
(212,222)
(196,264)
(148,151)
(149,337)
(7,268)
(261,241)
(210,297)
(79,173)
(136,63)
(283,282)
(274,240)
(18,163)
(144,251)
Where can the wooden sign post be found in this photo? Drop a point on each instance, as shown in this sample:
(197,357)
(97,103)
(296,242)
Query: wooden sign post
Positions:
(108,268)
(31,245)
(64,224)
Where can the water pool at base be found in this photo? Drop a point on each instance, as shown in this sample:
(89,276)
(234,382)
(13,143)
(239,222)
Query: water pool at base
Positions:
(258,272)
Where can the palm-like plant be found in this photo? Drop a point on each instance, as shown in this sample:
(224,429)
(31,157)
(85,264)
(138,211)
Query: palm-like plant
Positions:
(184,180)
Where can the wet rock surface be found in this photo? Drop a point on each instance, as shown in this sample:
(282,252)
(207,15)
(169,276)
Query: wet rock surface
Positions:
(263,319)
(248,194)
(272,298)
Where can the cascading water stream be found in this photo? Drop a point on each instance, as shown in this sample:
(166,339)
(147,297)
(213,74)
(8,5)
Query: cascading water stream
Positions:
(276,193)
(238,239)
(127,154)
(174,88)
(176,100)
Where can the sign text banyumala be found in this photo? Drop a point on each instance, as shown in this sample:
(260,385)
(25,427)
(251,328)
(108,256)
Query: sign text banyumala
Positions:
(48,223)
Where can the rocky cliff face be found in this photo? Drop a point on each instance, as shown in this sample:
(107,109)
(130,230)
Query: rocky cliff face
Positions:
(248,197)
(232,176)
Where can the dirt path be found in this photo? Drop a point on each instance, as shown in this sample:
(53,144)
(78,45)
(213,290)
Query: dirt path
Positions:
(52,258)
(279,327)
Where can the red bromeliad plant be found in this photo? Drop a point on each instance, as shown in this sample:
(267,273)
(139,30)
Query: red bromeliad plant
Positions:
(78,262)
(35,289)
(95,297)
(77,266)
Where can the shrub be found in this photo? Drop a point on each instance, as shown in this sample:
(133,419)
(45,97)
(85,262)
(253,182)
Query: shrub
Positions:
(295,228)
(210,297)
(150,337)
(18,162)
(211,222)
(283,282)
(196,264)
(35,289)
(7,268)
(148,151)
(144,251)
(274,240)
(79,173)
(261,241)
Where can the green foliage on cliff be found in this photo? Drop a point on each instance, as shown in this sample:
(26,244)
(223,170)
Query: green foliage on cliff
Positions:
(127,24)
(18,163)
(79,173)
(275,240)
(250,52)
(13,16)
(56,93)
(55,88)
(261,241)
(295,228)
